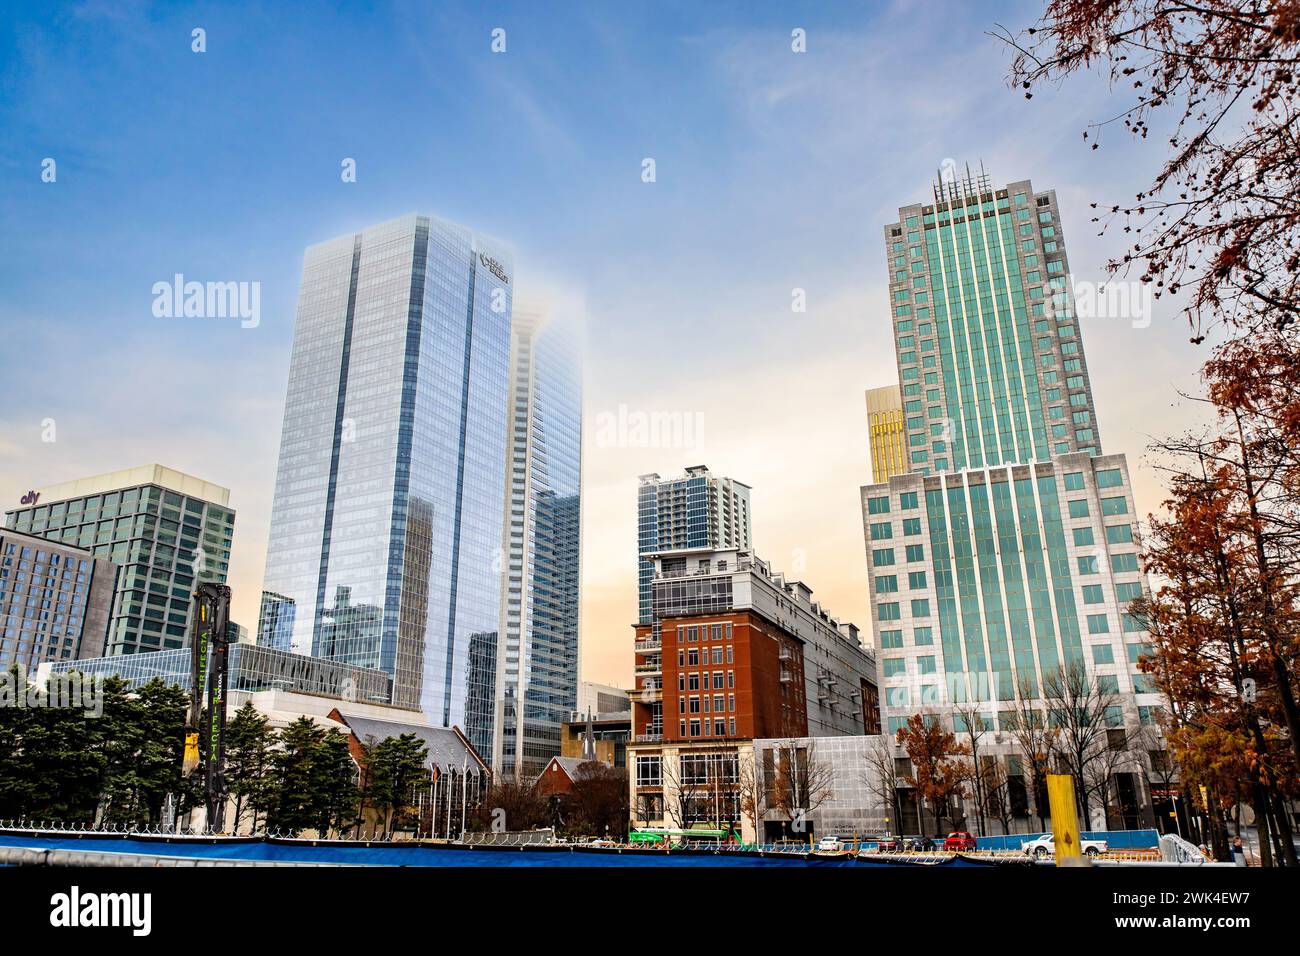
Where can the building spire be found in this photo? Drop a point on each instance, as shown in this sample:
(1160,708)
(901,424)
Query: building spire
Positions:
(589,739)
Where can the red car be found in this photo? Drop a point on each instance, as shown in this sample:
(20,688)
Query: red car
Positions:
(959,841)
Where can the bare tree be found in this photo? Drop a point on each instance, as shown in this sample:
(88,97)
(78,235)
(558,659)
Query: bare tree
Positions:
(803,781)
(680,791)
(974,729)
(882,779)
(1080,709)
(1036,740)
(750,788)
(1099,781)
(1156,765)
(997,791)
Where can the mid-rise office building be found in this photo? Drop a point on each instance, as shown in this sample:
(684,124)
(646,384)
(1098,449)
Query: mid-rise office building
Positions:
(986,581)
(55,601)
(537,655)
(888,435)
(735,652)
(600,699)
(166,531)
(693,512)
(390,490)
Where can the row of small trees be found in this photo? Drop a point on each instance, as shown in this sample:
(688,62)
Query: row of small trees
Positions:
(1070,727)
(113,765)
(304,777)
(117,765)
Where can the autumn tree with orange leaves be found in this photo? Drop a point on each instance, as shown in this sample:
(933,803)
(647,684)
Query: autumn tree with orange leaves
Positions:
(1221,217)
(938,774)
(1213,629)
(1218,228)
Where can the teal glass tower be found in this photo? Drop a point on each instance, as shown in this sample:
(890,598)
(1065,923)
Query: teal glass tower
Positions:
(989,353)
(1009,550)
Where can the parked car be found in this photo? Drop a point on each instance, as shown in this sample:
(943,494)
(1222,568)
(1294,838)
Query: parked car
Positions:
(887,845)
(918,843)
(830,844)
(1045,846)
(959,841)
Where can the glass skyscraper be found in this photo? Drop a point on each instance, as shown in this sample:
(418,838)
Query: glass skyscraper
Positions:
(989,354)
(1009,550)
(166,531)
(537,656)
(390,491)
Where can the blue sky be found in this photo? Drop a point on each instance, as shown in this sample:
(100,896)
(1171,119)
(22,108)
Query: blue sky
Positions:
(775,171)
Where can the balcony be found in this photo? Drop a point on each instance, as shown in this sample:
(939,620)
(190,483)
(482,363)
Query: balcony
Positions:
(650,667)
(649,738)
(653,644)
(696,572)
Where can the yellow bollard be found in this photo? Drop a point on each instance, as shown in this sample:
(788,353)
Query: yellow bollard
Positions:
(1065,821)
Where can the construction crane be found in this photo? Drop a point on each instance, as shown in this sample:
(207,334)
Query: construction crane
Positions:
(205,724)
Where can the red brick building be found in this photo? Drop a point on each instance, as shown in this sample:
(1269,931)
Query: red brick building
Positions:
(719,676)
(735,652)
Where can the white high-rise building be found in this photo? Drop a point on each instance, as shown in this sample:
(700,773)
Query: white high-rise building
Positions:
(537,655)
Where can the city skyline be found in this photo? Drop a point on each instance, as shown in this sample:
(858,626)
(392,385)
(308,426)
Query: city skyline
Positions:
(724,269)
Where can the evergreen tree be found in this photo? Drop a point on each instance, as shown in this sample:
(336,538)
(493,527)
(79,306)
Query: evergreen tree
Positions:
(293,804)
(249,739)
(156,768)
(334,784)
(394,768)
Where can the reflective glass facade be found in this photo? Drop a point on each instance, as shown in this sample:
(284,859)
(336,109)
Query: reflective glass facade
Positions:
(989,354)
(390,490)
(251,668)
(55,601)
(537,658)
(167,533)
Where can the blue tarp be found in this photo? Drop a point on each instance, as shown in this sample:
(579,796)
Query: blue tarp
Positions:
(399,855)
